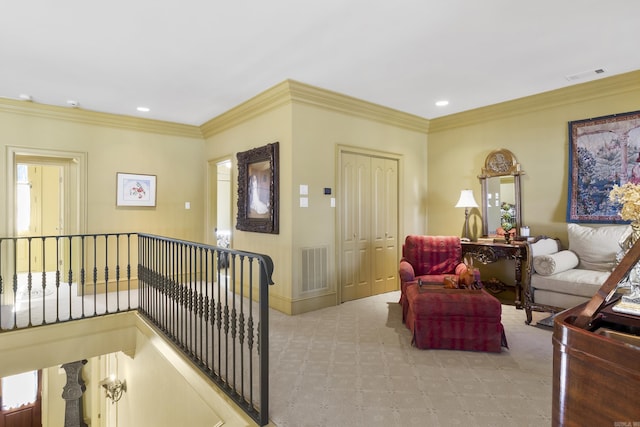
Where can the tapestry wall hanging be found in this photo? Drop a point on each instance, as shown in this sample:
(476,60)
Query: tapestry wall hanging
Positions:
(603,152)
(258,190)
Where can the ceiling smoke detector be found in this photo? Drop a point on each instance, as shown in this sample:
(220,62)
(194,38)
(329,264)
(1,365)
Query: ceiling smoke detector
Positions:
(72,103)
(585,74)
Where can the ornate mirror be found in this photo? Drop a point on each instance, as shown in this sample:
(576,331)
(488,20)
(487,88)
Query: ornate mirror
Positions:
(500,182)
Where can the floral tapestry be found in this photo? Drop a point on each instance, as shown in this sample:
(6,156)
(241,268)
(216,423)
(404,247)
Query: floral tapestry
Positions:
(603,152)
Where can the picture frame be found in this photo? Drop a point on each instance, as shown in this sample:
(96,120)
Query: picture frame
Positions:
(258,189)
(603,152)
(135,189)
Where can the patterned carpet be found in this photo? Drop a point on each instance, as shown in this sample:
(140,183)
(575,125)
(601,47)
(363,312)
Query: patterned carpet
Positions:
(353,365)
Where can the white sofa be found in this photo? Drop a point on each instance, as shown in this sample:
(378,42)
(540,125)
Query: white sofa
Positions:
(558,279)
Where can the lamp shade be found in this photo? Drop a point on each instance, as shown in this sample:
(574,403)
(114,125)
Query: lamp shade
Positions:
(466,200)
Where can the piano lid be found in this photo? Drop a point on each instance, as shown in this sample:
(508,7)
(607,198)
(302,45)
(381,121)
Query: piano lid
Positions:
(619,273)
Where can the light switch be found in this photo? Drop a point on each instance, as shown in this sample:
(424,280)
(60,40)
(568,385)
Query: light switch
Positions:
(304,202)
(187,205)
(333,202)
(304,190)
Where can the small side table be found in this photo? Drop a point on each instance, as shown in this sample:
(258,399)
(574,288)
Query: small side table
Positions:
(488,252)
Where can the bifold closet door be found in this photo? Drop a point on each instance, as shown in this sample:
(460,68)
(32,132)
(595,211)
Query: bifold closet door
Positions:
(369,224)
(356,226)
(384,223)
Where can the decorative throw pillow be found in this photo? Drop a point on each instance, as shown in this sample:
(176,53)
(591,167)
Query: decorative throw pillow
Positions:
(596,247)
(544,246)
(546,265)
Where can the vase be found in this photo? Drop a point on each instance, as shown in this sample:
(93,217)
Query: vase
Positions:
(633,280)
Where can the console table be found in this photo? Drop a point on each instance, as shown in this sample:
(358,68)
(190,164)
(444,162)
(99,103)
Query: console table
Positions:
(489,252)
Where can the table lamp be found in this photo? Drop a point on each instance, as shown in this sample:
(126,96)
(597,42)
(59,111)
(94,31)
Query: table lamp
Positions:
(466,201)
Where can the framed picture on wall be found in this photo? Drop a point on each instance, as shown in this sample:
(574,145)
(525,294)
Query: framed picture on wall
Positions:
(258,190)
(135,189)
(603,152)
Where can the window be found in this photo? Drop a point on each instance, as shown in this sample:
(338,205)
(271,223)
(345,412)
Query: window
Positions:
(19,390)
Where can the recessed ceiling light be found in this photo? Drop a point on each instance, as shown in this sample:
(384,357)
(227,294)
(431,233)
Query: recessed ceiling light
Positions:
(144,109)
(25,97)
(442,103)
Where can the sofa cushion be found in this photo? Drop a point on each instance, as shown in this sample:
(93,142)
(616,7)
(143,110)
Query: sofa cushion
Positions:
(584,283)
(555,263)
(596,247)
(544,246)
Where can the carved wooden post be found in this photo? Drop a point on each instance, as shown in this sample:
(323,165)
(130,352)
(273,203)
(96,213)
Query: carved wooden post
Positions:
(72,394)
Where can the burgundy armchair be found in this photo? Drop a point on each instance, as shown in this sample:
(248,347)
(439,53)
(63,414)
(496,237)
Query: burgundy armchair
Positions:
(430,258)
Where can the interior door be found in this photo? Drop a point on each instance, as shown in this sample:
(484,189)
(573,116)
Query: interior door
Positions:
(64,196)
(369,225)
(27,412)
(384,209)
(355,226)
(39,212)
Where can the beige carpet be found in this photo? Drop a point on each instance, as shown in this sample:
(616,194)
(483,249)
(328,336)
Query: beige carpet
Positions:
(353,365)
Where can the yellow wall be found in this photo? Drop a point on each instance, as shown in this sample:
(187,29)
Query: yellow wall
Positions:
(271,126)
(164,389)
(310,124)
(535,129)
(318,134)
(116,144)
(438,159)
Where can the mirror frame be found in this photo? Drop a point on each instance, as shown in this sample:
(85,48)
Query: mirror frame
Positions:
(498,163)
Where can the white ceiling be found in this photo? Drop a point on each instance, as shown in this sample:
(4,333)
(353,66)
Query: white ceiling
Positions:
(191,60)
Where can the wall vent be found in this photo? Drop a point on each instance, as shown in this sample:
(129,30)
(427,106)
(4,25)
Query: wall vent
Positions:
(586,74)
(315,268)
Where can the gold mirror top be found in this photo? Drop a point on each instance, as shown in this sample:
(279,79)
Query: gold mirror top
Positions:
(500,163)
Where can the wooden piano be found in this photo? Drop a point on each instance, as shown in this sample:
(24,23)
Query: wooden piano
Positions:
(596,360)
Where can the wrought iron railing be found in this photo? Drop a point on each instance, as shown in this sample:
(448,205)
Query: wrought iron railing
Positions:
(54,279)
(211,302)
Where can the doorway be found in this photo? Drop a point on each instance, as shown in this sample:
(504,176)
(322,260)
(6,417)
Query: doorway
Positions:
(45,197)
(21,397)
(368,224)
(39,203)
(220,222)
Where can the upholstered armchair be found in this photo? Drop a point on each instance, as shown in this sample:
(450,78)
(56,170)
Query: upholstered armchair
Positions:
(430,258)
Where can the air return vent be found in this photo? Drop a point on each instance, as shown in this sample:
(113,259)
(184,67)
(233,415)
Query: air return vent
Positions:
(586,74)
(314,268)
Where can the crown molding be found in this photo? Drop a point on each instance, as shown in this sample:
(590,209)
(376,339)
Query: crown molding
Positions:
(322,98)
(78,115)
(293,92)
(543,101)
(270,99)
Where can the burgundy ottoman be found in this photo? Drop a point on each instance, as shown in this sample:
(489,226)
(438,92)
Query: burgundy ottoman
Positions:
(455,319)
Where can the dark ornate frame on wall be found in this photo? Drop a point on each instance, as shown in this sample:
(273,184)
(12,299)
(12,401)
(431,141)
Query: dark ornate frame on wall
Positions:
(258,190)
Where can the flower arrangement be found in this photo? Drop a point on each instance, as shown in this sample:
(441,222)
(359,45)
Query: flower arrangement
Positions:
(629,196)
